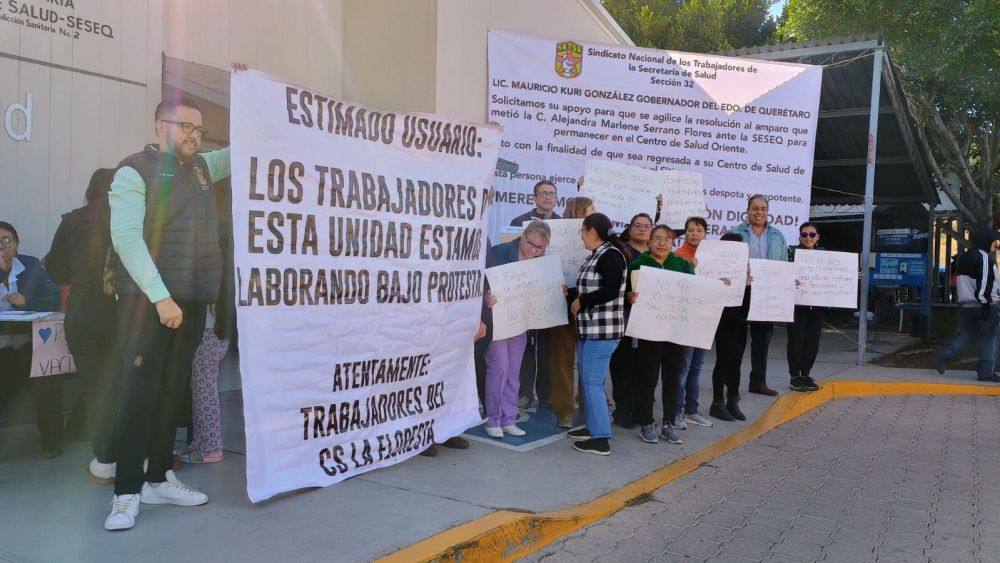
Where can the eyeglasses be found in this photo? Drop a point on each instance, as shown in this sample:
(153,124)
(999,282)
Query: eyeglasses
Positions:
(808,235)
(641,226)
(187,128)
(7,241)
(546,194)
(661,240)
(532,246)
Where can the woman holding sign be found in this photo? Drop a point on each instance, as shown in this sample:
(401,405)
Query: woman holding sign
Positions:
(623,371)
(562,339)
(600,324)
(503,357)
(804,333)
(656,358)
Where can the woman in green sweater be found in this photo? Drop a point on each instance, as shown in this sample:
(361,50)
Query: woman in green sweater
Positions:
(655,358)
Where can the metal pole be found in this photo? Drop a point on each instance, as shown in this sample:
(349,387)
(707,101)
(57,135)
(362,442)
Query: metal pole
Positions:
(931,274)
(866,239)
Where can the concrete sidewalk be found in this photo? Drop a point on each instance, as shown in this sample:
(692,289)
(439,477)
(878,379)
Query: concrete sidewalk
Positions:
(51,512)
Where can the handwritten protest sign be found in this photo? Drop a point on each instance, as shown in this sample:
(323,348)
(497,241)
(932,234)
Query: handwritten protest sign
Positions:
(683,197)
(772,295)
(529,296)
(620,191)
(827,279)
(568,246)
(49,350)
(725,259)
(675,307)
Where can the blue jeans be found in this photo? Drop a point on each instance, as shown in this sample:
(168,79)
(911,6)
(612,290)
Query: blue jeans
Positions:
(593,357)
(688,382)
(972,326)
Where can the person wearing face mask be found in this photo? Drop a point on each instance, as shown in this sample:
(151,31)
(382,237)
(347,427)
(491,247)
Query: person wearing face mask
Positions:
(24,286)
(977,312)
(657,359)
(503,357)
(623,368)
(805,332)
(766,243)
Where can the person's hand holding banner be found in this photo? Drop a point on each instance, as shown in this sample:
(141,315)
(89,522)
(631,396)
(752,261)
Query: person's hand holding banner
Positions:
(529,295)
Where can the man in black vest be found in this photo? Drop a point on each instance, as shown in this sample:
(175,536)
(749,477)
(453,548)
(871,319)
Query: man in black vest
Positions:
(164,228)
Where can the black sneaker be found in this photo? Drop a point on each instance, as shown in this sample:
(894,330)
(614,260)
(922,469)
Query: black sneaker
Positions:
(579,434)
(733,406)
(798,384)
(599,446)
(718,410)
(940,363)
(810,383)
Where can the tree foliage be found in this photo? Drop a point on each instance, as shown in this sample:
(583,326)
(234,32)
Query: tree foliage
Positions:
(698,26)
(946,53)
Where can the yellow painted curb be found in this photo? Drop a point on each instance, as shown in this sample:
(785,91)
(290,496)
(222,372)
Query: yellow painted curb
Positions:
(507,535)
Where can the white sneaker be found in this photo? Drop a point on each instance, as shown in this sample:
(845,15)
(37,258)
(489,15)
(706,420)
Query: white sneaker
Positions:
(493,431)
(124,509)
(697,419)
(679,423)
(172,491)
(513,430)
(102,471)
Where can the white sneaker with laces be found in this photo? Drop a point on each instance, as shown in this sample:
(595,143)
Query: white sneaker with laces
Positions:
(102,471)
(493,431)
(172,491)
(124,509)
(513,430)
(697,419)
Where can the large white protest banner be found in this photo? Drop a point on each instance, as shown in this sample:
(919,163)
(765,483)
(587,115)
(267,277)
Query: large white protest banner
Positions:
(827,279)
(719,259)
(676,307)
(360,247)
(529,296)
(772,293)
(568,246)
(748,125)
(620,190)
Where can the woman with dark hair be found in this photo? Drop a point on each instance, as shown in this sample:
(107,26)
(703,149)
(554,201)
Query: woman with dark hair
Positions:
(77,259)
(656,358)
(24,286)
(600,323)
(562,339)
(804,333)
(623,372)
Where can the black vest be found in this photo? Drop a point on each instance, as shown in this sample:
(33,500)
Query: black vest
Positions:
(181,228)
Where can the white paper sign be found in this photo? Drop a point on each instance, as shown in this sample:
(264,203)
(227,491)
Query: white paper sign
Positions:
(360,246)
(772,293)
(683,197)
(827,279)
(620,191)
(49,349)
(748,125)
(676,307)
(529,296)
(568,246)
(719,259)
